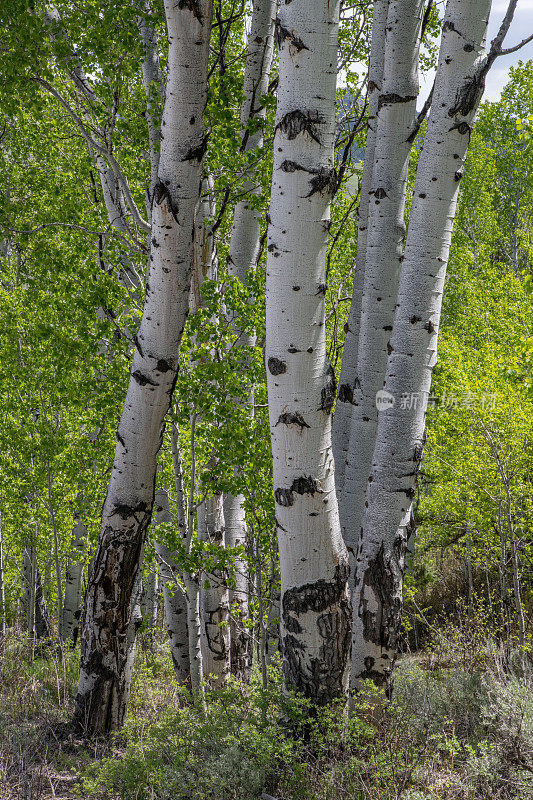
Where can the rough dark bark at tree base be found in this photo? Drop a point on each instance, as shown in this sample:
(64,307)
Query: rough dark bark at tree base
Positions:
(325,680)
(105,647)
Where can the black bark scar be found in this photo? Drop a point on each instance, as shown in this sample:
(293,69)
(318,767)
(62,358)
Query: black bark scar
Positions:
(281,33)
(292,419)
(296,122)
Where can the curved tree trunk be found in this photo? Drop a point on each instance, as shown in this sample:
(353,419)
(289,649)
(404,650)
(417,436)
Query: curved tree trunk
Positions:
(103,686)
(315,607)
(413,344)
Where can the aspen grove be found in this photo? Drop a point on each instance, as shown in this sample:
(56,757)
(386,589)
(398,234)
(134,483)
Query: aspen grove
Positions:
(238,511)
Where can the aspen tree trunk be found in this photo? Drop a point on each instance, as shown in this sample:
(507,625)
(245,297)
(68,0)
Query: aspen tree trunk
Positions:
(34,600)
(315,603)
(73,585)
(214,597)
(154,90)
(400,435)
(243,254)
(29,571)
(348,374)
(103,686)
(2,583)
(395,118)
(174,601)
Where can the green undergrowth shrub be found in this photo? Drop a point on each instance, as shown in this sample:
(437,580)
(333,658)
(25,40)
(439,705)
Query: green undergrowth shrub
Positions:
(460,732)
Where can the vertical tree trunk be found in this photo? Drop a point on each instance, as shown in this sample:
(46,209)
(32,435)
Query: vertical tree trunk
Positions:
(401,425)
(2,583)
(73,585)
(348,374)
(394,122)
(214,596)
(243,253)
(34,601)
(174,601)
(315,606)
(103,686)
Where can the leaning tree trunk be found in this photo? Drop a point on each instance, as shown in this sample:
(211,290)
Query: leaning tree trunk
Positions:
(70,618)
(401,425)
(348,374)
(243,254)
(104,670)
(315,604)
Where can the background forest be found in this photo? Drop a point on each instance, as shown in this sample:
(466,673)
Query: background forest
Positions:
(73,253)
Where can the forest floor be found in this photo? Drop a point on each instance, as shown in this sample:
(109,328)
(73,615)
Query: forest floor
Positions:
(460,728)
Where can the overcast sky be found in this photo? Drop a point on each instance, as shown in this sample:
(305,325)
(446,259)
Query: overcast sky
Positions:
(522,26)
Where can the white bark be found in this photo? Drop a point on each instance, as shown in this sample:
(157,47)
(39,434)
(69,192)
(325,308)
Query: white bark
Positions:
(243,254)
(174,601)
(34,601)
(103,689)
(214,596)
(149,600)
(153,87)
(394,121)
(236,536)
(73,585)
(348,374)
(315,608)
(2,583)
(400,435)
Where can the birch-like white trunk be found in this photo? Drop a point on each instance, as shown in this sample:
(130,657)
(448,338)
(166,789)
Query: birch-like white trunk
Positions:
(174,601)
(413,344)
(214,596)
(315,604)
(103,686)
(348,374)
(396,109)
(243,254)
(34,601)
(70,618)
(2,583)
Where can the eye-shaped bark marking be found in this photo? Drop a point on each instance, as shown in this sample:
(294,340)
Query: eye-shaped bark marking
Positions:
(462,128)
(324,180)
(197,153)
(126,511)
(276,366)
(390,99)
(162,365)
(292,419)
(345,393)
(305,485)
(296,122)
(161,192)
(284,497)
(143,380)
(281,33)
(327,393)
